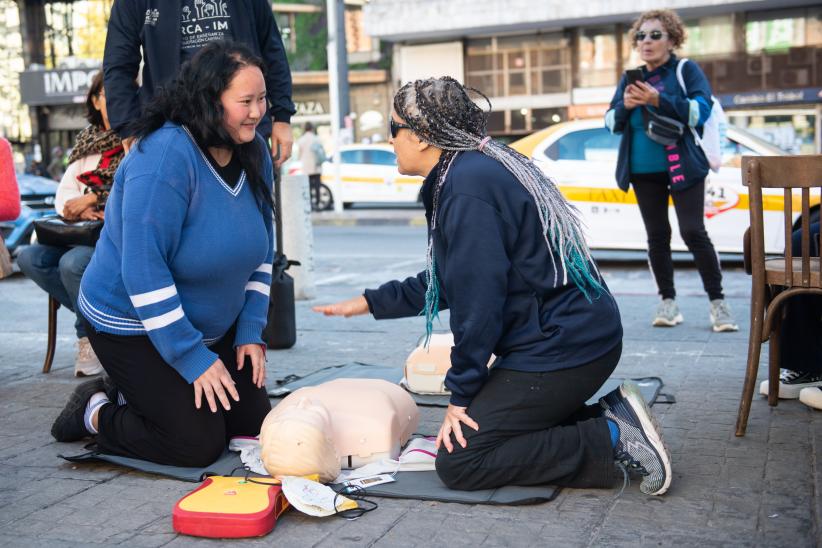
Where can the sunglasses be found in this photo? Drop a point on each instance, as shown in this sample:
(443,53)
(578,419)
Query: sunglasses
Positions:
(654,34)
(395,127)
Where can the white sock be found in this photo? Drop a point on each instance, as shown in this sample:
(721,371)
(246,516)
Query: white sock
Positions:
(95,402)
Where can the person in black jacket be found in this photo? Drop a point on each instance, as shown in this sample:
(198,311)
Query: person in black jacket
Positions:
(676,172)
(170,32)
(507,257)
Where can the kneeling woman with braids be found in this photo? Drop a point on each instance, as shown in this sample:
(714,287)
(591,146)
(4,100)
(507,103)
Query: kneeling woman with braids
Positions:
(507,257)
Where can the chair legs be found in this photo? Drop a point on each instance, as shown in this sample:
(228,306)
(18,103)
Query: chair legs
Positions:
(754,350)
(773,359)
(52,334)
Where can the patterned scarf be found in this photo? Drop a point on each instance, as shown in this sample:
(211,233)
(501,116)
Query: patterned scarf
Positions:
(96,140)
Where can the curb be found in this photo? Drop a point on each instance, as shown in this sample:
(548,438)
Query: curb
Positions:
(323,220)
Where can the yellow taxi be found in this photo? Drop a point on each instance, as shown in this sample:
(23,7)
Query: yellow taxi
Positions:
(581,157)
(368,173)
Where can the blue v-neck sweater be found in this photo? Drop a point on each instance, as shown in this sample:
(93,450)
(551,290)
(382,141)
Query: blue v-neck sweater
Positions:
(182,256)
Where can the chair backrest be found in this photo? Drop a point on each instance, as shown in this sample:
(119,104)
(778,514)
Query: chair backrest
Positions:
(788,173)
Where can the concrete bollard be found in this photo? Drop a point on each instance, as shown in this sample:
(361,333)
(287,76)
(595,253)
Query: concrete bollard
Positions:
(298,235)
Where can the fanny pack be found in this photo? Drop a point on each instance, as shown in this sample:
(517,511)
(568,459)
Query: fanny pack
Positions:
(662,129)
(56,231)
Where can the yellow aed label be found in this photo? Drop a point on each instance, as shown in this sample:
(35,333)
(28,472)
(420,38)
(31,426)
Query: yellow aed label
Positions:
(229,495)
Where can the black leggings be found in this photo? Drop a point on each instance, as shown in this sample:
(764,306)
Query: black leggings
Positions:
(534,429)
(652,193)
(159,422)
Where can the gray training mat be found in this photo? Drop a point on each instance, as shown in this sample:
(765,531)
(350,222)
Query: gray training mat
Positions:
(427,486)
(648,386)
(223,466)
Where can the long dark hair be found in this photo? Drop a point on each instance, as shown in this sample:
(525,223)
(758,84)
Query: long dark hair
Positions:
(192,99)
(94,116)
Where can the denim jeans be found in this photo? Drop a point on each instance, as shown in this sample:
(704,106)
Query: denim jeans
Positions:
(58,271)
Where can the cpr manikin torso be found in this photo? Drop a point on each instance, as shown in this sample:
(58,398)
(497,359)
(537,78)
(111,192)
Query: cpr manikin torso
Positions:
(344,423)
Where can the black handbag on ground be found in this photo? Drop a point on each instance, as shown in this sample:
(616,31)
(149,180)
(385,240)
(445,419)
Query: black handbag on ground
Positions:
(281,330)
(57,231)
(662,129)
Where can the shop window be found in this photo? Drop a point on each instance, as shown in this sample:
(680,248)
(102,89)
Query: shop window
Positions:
(496,122)
(597,57)
(518,119)
(780,30)
(709,36)
(518,65)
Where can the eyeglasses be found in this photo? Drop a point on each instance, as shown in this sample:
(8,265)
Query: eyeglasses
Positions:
(395,127)
(654,34)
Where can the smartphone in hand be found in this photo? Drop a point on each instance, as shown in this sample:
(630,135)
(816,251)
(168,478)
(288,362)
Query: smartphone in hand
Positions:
(633,76)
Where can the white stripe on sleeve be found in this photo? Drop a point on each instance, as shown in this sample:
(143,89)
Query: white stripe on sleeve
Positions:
(265,268)
(151,297)
(258,286)
(158,322)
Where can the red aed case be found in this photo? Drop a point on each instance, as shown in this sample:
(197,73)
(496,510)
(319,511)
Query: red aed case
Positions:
(230,507)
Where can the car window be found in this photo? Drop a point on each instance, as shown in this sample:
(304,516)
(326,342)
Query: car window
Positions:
(381,157)
(596,144)
(353,156)
(732,153)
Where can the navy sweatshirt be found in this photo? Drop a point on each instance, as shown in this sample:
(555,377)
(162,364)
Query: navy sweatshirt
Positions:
(692,110)
(155,25)
(497,279)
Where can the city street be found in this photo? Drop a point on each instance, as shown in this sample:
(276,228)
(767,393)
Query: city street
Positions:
(761,490)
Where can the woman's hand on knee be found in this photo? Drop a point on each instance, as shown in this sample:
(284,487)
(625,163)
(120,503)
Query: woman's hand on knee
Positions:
(214,383)
(352,307)
(256,353)
(454,415)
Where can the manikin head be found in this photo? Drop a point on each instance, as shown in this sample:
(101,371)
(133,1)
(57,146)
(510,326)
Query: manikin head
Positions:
(298,441)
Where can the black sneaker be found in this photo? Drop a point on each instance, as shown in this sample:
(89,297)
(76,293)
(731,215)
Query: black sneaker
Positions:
(791,383)
(640,447)
(69,425)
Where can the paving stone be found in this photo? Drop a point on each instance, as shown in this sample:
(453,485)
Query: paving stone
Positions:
(761,490)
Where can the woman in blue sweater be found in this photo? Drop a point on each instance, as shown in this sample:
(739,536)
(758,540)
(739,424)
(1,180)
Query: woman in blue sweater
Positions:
(176,294)
(676,172)
(507,257)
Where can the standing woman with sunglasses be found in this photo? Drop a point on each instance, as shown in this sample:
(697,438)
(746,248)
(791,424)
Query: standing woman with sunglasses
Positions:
(676,171)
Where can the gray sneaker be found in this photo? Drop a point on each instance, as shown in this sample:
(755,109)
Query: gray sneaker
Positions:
(640,447)
(667,314)
(721,318)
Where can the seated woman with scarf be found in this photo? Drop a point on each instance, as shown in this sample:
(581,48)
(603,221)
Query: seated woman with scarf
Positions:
(81,195)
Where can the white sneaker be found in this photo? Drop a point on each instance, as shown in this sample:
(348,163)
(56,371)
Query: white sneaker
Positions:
(667,314)
(86,362)
(812,397)
(791,383)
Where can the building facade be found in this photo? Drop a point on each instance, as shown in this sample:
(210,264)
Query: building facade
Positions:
(546,62)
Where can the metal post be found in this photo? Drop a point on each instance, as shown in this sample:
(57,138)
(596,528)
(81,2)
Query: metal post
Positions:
(334,98)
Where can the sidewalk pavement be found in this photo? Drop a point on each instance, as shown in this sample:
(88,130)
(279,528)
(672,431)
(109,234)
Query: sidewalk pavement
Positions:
(761,490)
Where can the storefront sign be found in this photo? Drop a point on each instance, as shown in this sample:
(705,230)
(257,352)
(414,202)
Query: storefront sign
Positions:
(780,97)
(309,108)
(56,87)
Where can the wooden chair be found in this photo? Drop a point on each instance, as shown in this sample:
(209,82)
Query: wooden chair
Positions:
(774,280)
(51,342)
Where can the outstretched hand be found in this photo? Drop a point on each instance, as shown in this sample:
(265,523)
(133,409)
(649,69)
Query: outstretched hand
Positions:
(454,415)
(352,307)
